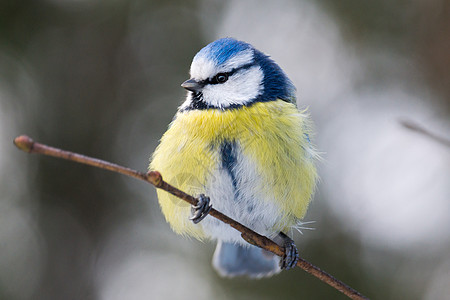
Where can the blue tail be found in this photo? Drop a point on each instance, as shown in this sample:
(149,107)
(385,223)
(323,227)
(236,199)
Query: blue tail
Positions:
(236,260)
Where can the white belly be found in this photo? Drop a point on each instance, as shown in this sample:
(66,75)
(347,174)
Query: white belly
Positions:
(236,192)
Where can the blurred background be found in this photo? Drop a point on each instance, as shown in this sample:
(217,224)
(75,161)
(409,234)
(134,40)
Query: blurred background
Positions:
(103,78)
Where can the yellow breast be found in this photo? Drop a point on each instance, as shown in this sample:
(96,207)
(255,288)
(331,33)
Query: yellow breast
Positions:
(273,135)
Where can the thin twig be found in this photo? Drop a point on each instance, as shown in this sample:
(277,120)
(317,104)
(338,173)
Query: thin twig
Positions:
(411,125)
(153,177)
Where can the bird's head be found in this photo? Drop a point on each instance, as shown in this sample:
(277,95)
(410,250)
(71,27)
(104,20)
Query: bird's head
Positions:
(229,74)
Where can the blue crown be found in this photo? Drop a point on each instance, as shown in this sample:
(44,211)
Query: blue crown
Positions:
(221,50)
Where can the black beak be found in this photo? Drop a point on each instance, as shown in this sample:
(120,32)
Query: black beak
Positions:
(192,85)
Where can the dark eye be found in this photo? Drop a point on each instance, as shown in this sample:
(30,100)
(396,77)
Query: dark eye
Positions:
(221,78)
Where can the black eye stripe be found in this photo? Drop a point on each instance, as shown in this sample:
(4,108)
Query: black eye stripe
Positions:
(228,74)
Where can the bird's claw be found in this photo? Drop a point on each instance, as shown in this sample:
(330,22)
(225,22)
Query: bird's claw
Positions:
(201,210)
(290,257)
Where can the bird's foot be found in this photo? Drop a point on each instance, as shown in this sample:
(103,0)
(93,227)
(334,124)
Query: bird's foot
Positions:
(290,257)
(201,210)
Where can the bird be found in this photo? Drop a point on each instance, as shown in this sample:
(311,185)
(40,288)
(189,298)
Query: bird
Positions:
(241,145)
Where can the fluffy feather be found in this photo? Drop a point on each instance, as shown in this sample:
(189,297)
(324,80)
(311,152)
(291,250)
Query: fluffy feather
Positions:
(274,166)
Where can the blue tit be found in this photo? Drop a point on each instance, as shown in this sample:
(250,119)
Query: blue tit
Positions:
(240,143)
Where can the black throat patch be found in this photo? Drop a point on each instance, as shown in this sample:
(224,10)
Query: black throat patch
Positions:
(198,102)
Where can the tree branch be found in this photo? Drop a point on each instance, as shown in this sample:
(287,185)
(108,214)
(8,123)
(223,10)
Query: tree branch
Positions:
(26,144)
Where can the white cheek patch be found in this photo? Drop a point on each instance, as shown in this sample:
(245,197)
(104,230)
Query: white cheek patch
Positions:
(240,89)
